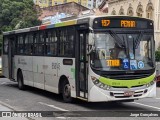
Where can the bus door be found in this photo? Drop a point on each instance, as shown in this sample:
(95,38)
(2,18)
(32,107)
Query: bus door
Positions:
(11,45)
(82,81)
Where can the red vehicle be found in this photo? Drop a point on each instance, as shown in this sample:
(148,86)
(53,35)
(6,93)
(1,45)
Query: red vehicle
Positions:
(158,78)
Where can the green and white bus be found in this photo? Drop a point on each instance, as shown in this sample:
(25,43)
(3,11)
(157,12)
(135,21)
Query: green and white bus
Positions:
(95,58)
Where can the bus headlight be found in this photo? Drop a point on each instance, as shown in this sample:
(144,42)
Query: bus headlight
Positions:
(149,84)
(99,84)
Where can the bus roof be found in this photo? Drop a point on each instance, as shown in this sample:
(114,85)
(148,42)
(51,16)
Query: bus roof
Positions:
(80,20)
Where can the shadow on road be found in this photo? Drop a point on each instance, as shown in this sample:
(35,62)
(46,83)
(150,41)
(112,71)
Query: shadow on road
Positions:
(80,103)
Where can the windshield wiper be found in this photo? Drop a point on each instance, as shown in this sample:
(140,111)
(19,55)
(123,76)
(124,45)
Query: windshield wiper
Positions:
(138,39)
(118,40)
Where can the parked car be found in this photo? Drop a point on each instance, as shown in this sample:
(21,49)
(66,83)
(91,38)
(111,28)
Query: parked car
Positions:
(158,80)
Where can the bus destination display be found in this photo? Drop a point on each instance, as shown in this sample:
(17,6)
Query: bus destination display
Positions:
(102,23)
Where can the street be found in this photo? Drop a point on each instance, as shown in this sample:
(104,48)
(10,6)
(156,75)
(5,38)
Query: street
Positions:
(34,99)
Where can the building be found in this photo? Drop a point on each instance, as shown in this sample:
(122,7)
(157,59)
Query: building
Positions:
(47,3)
(53,14)
(87,3)
(142,8)
(94,3)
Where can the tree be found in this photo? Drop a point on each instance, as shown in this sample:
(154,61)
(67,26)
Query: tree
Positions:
(16,14)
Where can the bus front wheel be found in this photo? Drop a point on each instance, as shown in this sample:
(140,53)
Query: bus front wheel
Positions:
(21,85)
(66,92)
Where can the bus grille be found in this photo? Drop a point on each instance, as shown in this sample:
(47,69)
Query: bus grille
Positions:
(126,76)
(121,94)
(126,86)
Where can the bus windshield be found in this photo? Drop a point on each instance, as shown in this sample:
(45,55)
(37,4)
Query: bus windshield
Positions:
(123,51)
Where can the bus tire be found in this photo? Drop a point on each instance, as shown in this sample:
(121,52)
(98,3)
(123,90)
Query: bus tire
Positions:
(66,92)
(21,85)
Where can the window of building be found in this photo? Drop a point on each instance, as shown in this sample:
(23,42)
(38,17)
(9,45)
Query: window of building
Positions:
(113,12)
(140,10)
(50,2)
(158,25)
(149,10)
(121,11)
(130,11)
(159,6)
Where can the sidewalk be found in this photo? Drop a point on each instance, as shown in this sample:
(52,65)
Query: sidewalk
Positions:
(4,109)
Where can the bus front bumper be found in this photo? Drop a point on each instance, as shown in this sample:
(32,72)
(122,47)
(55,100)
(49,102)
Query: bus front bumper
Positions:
(99,95)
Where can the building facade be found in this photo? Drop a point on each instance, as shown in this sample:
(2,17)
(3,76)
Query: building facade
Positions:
(142,8)
(87,3)
(54,14)
(47,3)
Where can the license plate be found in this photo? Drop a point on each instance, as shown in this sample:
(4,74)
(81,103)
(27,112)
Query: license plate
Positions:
(128,93)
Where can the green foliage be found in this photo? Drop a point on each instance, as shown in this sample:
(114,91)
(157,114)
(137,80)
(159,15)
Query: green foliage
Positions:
(157,55)
(17,14)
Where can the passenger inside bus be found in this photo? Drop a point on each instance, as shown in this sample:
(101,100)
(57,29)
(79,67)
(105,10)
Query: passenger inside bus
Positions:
(122,54)
(117,52)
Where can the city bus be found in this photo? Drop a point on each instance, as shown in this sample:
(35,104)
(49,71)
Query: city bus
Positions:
(93,58)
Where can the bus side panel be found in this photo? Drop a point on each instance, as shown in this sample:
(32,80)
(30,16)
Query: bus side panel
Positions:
(19,61)
(28,70)
(38,71)
(5,70)
(51,78)
(69,71)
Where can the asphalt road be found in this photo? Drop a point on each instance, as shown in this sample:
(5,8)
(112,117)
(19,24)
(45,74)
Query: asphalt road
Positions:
(34,99)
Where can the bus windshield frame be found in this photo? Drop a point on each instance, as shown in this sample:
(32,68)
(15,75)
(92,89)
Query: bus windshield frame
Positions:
(132,46)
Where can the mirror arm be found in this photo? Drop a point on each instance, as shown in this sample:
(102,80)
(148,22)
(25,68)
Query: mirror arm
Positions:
(93,48)
(91,29)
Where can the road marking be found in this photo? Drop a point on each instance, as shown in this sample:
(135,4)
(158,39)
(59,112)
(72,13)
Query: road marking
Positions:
(53,106)
(61,117)
(3,83)
(158,98)
(58,108)
(146,105)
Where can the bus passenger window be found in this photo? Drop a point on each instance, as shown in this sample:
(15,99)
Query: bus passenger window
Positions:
(51,43)
(30,44)
(5,45)
(20,44)
(66,42)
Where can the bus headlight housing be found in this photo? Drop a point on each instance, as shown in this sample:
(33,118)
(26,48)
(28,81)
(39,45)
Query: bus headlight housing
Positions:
(149,84)
(99,84)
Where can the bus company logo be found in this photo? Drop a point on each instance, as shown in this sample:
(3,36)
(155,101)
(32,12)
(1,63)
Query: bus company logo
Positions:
(105,23)
(6,114)
(56,66)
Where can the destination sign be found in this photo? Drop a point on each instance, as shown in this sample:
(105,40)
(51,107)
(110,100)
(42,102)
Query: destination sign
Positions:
(113,63)
(126,22)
